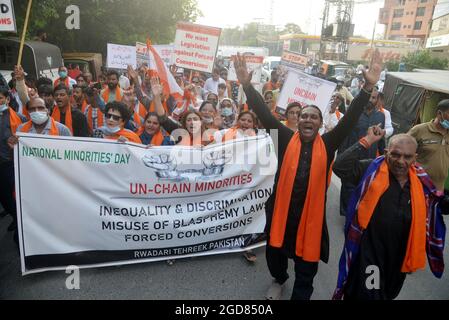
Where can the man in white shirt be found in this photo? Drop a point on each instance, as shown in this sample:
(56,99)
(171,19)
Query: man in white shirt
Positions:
(332,115)
(381,107)
(211,84)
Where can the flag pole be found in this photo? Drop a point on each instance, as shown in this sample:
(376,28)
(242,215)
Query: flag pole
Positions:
(24,31)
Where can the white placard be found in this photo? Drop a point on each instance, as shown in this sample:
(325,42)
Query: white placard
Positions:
(253,63)
(196,46)
(7,17)
(305,89)
(119,56)
(165,51)
(108,203)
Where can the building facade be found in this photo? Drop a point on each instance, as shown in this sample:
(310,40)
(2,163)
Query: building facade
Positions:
(438,40)
(407,18)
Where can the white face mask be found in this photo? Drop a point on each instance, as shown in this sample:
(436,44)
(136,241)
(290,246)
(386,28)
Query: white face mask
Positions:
(3,107)
(110,131)
(39,117)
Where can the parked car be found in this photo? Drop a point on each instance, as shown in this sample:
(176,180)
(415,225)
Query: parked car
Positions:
(88,62)
(40,59)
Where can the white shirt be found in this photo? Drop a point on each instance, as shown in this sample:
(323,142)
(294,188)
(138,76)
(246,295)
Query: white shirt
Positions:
(330,121)
(388,125)
(212,86)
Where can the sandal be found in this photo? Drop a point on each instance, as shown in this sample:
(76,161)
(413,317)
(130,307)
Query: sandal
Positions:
(250,256)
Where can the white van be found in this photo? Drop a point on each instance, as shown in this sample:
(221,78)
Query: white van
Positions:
(270,63)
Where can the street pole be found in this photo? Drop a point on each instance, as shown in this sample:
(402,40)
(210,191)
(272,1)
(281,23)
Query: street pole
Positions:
(24,31)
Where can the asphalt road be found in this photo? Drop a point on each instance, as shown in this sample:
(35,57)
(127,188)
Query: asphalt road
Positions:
(224,277)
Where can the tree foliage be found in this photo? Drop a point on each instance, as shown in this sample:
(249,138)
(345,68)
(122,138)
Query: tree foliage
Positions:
(106,21)
(419,60)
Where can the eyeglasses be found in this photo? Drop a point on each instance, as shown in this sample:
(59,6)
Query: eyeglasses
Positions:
(113,117)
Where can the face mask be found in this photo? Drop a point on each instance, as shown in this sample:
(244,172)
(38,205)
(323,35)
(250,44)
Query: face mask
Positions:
(3,107)
(63,74)
(207,119)
(444,123)
(39,117)
(110,131)
(226,112)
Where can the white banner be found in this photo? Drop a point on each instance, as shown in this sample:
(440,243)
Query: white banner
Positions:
(119,57)
(253,63)
(94,202)
(165,52)
(196,46)
(305,89)
(7,17)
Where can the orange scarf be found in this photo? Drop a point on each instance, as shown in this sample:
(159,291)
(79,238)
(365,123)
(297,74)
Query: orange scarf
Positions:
(338,114)
(137,120)
(131,136)
(66,82)
(14,121)
(140,110)
(68,116)
(105,95)
(84,106)
(157,139)
(188,141)
(53,129)
(415,257)
(90,121)
(231,134)
(308,241)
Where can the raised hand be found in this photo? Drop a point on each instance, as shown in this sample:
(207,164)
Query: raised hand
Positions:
(374,134)
(241,70)
(156,87)
(132,73)
(19,74)
(372,75)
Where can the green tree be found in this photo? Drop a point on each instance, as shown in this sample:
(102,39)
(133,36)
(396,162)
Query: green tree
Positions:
(291,28)
(107,21)
(419,60)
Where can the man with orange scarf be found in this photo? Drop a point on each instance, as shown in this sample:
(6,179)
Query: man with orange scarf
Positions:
(72,118)
(386,228)
(112,92)
(296,224)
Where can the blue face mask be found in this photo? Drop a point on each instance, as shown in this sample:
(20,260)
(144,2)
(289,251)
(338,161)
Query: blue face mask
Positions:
(445,124)
(3,107)
(226,112)
(63,74)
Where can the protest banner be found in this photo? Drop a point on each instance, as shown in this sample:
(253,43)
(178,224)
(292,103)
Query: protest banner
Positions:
(7,17)
(294,60)
(165,52)
(108,203)
(119,56)
(253,63)
(305,89)
(196,46)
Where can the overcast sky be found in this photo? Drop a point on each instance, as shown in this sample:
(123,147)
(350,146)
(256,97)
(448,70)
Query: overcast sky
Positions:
(305,13)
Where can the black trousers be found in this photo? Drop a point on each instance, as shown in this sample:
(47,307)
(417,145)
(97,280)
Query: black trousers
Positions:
(345,195)
(305,271)
(7,188)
